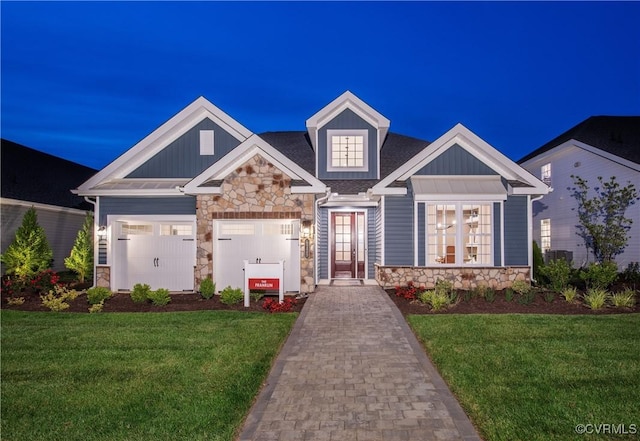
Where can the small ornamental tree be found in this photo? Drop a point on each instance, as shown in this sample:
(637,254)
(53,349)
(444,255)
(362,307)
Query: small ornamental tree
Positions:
(81,258)
(602,222)
(29,253)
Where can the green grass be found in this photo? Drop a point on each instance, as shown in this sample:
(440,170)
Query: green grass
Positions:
(535,377)
(166,376)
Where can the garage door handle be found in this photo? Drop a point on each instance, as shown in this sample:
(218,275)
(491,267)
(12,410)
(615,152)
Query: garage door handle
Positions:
(292,238)
(188,240)
(123,239)
(224,238)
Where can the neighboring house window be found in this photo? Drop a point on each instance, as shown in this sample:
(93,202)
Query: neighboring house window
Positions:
(206,142)
(459,234)
(545,235)
(545,174)
(347,150)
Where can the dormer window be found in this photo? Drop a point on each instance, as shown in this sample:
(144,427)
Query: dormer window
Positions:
(347,150)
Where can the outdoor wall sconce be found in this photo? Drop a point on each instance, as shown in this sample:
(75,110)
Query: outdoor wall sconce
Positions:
(102,232)
(307,233)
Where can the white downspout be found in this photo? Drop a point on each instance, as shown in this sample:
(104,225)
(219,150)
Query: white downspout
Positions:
(315,219)
(96,214)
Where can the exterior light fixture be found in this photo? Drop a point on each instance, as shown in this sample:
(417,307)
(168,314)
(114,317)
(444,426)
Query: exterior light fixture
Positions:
(102,232)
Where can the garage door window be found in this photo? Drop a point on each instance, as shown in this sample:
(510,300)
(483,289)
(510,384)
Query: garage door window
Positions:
(240,229)
(176,230)
(137,229)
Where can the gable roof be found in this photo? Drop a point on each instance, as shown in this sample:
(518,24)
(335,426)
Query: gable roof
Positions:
(209,181)
(168,132)
(33,176)
(396,150)
(347,101)
(520,181)
(618,135)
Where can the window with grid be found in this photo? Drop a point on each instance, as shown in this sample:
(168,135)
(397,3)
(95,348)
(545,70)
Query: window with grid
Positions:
(347,150)
(545,235)
(545,173)
(176,230)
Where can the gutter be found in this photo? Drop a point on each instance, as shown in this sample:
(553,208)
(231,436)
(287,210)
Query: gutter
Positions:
(95,228)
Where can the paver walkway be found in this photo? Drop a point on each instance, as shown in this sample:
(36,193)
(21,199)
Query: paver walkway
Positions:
(353,370)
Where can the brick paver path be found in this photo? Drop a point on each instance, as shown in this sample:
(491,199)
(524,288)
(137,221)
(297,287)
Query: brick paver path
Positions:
(352,370)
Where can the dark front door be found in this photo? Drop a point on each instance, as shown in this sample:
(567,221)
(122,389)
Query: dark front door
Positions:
(347,245)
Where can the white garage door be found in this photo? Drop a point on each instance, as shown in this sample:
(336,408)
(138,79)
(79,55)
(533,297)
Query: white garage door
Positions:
(267,240)
(160,254)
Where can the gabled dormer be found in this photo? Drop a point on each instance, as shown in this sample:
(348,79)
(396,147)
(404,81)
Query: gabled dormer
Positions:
(347,136)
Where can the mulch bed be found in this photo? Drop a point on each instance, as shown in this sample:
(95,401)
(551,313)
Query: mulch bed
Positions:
(121,302)
(500,305)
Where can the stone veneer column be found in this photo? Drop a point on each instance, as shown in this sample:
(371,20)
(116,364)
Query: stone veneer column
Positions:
(256,190)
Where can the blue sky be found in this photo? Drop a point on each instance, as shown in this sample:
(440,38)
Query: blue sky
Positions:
(88,80)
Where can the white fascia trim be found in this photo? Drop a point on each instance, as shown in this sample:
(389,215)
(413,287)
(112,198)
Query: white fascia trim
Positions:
(393,191)
(241,154)
(482,197)
(165,134)
(348,101)
(127,193)
(382,230)
(591,149)
(39,206)
(476,146)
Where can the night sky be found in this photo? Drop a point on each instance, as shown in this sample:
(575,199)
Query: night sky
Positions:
(87,80)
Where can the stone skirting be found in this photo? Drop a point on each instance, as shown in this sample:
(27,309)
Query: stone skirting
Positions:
(463,278)
(103,276)
(256,190)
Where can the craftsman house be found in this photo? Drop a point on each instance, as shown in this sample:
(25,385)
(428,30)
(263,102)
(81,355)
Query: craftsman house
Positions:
(345,199)
(599,146)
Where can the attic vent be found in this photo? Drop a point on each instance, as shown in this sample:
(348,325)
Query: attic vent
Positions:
(577,164)
(206,142)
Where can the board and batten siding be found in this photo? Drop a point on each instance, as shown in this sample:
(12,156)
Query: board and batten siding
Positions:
(456,161)
(559,206)
(182,158)
(378,226)
(516,247)
(348,120)
(371,242)
(398,230)
(60,224)
(497,239)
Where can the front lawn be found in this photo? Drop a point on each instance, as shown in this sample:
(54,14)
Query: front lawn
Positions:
(127,376)
(537,377)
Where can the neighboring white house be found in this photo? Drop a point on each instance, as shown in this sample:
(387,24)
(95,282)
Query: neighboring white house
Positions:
(35,179)
(599,146)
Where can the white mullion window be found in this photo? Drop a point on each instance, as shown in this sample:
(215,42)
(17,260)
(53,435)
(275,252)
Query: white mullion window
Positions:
(347,150)
(545,235)
(459,233)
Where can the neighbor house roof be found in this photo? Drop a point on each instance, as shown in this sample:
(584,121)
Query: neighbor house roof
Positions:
(396,150)
(618,135)
(33,176)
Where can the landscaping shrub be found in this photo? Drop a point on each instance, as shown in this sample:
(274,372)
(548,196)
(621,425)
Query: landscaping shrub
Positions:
(549,296)
(58,298)
(490,295)
(256,294)
(521,287)
(29,253)
(81,258)
(600,275)
(207,288)
(273,305)
(538,265)
(96,307)
(596,298)
(159,297)
(558,272)
(631,274)
(98,294)
(425,296)
(439,300)
(570,293)
(624,299)
(15,301)
(231,296)
(140,293)
(409,292)
(509,294)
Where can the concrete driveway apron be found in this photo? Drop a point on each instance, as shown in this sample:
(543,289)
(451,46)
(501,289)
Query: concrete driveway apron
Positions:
(353,370)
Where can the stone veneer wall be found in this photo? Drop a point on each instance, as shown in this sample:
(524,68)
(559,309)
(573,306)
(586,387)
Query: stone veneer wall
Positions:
(463,278)
(103,276)
(256,190)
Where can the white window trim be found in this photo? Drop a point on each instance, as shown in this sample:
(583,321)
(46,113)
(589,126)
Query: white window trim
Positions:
(365,149)
(207,146)
(542,222)
(545,173)
(459,234)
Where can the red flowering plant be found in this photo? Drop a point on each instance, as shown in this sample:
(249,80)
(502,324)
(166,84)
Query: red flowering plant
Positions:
(409,292)
(42,282)
(273,305)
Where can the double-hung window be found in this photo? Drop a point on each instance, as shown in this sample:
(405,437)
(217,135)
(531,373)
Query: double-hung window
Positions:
(545,173)
(459,233)
(347,150)
(545,235)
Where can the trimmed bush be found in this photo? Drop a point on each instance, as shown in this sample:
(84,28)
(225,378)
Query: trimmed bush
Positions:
(600,275)
(558,273)
(98,294)
(207,288)
(159,297)
(140,293)
(231,296)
